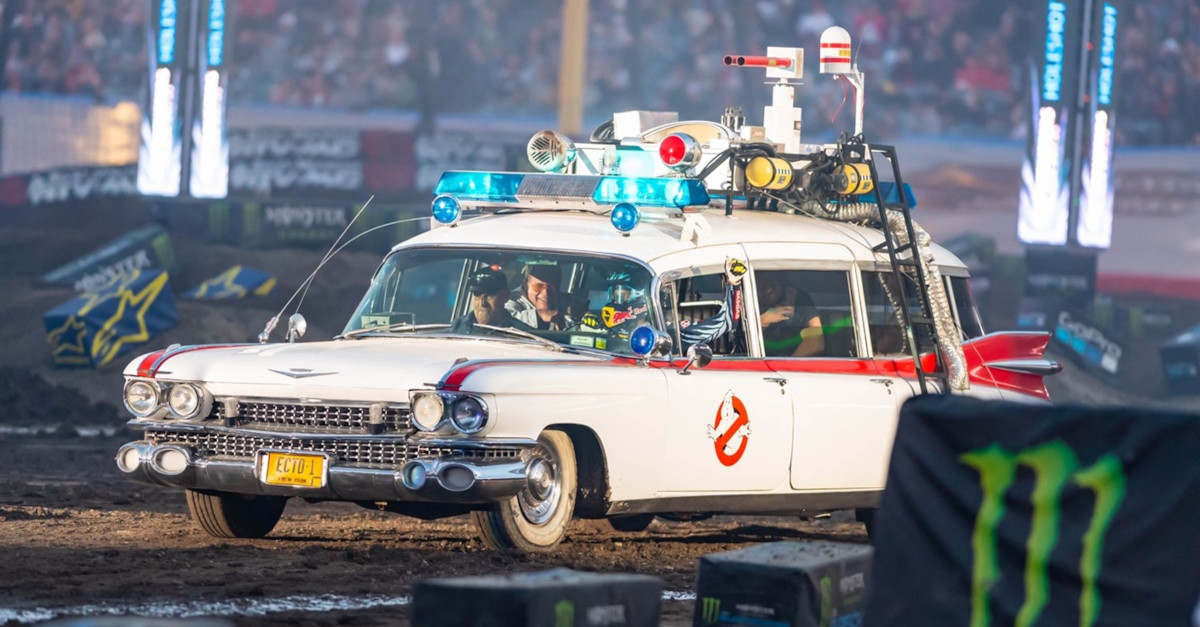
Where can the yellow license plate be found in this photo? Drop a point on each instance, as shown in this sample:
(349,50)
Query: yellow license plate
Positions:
(294,469)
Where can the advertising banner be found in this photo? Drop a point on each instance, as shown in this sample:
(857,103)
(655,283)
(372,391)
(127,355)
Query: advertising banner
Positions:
(1044,209)
(160,159)
(209,167)
(62,185)
(276,162)
(1093,226)
(97,326)
(1000,513)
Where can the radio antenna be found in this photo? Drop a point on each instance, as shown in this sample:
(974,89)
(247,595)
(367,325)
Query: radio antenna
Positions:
(302,290)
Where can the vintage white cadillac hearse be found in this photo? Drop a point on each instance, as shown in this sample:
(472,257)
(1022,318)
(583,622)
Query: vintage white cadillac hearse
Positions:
(683,318)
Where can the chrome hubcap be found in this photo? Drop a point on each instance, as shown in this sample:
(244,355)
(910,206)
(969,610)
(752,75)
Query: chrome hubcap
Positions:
(539,499)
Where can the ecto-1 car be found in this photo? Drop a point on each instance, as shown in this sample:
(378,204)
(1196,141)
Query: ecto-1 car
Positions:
(680,319)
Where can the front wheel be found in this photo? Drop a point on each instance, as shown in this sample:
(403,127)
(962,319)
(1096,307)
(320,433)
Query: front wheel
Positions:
(536,518)
(226,515)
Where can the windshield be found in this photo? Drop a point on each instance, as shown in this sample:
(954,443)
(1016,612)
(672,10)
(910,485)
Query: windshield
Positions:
(570,299)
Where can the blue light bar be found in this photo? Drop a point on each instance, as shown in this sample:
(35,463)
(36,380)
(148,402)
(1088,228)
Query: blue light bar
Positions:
(650,192)
(490,186)
(605,191)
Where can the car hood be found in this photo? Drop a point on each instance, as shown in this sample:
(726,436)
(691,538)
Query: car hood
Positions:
(370,368)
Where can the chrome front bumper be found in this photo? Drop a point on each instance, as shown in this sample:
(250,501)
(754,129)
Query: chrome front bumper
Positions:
(438,480)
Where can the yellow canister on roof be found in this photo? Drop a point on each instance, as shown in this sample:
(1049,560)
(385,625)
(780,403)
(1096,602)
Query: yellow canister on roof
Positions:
(769,173)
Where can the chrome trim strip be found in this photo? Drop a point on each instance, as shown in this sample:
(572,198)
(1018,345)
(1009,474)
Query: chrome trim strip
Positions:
(785,503)
(1043,367)
(493,480)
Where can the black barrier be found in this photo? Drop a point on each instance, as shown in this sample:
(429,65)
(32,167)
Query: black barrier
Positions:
(236,282)
(784,584)
(552,598)
(1000,513)
(95,327)
(1181,362)
(148,247)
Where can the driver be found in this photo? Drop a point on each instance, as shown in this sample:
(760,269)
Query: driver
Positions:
(489,292)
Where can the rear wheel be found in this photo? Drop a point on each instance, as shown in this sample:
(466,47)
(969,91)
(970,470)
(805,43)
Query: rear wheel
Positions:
(226,515)
(631,523)
(536,518)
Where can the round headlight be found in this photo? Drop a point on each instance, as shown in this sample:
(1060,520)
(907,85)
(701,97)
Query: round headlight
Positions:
(141,398)
(427,411)
(469,415)
(184,400)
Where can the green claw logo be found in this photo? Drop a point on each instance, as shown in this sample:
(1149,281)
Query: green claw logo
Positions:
(1054,465)
(710,610)
(564,613)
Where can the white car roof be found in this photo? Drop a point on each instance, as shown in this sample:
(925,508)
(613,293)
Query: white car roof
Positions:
(658,235)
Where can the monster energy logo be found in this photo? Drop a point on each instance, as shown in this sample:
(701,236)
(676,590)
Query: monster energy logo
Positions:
(826,600)
(1054,465)
(564,613)
(710,610)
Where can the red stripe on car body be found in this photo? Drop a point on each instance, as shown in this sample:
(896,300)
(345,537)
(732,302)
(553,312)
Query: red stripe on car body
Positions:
(154,361)
(979,352)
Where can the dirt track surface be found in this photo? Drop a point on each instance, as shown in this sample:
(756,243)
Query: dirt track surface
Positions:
(74,533)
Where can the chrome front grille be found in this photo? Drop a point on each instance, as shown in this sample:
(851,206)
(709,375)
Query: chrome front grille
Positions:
(362,451)
(316,418)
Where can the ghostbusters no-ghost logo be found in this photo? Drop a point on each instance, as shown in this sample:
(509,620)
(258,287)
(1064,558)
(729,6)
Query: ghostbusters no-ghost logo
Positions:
(730,430)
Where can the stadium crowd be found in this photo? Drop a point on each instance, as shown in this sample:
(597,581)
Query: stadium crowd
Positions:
(955,67)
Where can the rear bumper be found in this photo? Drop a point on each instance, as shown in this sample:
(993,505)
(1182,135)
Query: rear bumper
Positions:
(432,479)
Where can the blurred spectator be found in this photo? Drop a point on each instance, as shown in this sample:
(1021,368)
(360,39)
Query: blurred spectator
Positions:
(933,66)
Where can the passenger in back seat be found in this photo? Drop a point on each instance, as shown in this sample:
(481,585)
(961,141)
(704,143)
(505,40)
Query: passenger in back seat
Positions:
(790,323)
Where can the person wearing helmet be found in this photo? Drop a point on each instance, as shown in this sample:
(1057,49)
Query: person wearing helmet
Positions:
(626,307)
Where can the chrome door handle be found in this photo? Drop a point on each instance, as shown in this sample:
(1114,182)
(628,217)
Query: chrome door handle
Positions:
(887,382)
(780,380)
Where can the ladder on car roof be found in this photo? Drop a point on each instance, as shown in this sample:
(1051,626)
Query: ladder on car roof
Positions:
(907,267)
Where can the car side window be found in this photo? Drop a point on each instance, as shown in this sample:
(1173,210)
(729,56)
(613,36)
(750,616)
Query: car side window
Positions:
(805,313)
(704,309)
(882,296)
(964,305)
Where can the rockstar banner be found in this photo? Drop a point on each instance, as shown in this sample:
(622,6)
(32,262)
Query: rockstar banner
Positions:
(1001,513)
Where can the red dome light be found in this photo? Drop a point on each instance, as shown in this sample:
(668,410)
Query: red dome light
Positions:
(679,151)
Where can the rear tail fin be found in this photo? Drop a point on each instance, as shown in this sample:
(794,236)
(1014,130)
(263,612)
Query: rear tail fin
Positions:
(1012,361)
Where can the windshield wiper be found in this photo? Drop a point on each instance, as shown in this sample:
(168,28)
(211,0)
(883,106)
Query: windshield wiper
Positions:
(391,328)
(525,334)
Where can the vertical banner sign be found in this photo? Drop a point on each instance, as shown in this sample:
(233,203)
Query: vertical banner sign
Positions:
(160,159)
(1094,226)
(1045,201)
(1002,514)
(210,143)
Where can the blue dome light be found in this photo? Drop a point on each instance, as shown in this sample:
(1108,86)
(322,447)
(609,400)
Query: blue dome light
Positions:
(642,340)
(446,209)
(624,217)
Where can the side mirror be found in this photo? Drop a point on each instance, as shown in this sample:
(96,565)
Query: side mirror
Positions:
(297,326)
(699,355)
